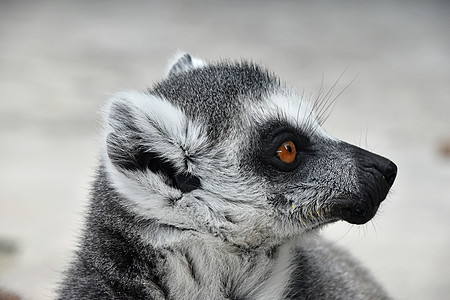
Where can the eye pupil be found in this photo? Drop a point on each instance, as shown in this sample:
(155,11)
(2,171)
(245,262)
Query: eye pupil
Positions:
(287,152)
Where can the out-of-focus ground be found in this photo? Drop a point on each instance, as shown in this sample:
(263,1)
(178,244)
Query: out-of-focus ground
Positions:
(59,61)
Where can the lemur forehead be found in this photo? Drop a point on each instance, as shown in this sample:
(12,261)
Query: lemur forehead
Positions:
(291,107)
(283,106)
(217,93)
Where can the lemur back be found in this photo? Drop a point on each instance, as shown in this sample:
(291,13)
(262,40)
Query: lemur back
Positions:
(214,184)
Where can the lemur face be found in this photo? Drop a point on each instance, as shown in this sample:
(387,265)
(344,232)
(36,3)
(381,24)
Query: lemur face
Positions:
(226,150)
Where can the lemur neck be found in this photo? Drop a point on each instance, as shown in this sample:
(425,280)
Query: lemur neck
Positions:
(199,268)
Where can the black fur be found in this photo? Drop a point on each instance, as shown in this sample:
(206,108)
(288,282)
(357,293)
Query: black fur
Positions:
(111,264)
(312,279)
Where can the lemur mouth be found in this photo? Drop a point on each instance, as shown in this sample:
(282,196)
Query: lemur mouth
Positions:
(359,209)
(353,210)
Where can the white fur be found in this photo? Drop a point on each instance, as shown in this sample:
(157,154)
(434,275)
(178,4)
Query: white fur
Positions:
(280,275)
(170,123)
(170,131)
(256,276)
(196,62)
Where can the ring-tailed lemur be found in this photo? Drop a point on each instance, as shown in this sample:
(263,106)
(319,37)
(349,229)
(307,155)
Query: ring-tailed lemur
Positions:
(213,184)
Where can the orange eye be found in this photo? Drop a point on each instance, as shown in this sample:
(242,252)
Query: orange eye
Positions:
(287,152)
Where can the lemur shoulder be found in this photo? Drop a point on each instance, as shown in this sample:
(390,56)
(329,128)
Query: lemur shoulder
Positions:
(213,184)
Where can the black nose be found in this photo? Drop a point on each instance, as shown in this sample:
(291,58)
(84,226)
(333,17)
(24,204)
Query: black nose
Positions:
(389,173)
(386,168)
(375,175)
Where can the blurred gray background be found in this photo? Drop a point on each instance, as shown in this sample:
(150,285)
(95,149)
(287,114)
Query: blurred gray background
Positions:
(59,61)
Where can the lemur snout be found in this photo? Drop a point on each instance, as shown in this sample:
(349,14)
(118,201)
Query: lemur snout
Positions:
(375,176)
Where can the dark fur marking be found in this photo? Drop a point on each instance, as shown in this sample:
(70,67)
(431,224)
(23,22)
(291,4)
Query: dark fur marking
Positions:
(143,160)
(300,285)
(191,267)
(272,252)
(186,182)
(279,200)
(229,289)
(230,219)
(183,181)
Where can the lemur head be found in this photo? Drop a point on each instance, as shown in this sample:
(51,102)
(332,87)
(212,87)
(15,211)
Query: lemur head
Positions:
(225,150)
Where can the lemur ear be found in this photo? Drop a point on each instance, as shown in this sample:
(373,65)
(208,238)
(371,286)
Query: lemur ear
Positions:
(183,62)
(146,133)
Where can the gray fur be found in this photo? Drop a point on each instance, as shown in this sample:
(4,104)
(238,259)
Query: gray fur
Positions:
(214,92)
(191,200)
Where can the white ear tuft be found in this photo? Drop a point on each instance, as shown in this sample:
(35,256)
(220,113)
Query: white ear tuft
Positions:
(145,149)
(137,123)
(182,62)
